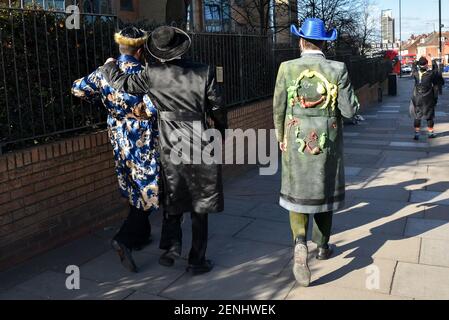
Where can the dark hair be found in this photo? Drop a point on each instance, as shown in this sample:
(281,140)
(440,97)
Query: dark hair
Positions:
(128,50)
(310,44)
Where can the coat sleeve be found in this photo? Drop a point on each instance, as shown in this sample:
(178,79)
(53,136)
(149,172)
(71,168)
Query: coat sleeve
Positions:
(137,83)
(347,99)
(280,103)
(215,108)
(87,88)
(438,79)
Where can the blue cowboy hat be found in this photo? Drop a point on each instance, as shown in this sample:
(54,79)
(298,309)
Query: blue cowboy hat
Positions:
(314,29)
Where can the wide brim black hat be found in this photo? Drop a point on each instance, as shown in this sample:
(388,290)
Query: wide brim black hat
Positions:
(167,43)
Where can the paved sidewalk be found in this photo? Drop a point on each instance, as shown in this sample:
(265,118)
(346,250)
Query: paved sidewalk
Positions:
(392,238)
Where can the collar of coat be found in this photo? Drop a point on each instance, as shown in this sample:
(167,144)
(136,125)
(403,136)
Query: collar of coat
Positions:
(128,58)
(312,52)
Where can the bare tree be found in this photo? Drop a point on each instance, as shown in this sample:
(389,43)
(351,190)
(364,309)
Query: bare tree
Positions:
(260,15)
(368,31)
(355,21)
(340,14)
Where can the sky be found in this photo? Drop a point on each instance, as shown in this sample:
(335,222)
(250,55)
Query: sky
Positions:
(418,16)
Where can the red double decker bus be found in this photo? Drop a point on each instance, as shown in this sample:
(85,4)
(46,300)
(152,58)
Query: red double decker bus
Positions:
(408,59)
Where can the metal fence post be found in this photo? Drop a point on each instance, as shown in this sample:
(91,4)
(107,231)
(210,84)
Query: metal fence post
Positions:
(241,67)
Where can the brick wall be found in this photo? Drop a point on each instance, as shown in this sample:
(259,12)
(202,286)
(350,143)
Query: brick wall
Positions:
(257,115)
(55,192)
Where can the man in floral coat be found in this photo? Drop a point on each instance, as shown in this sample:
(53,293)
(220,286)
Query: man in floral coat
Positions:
(133,132)
(311,97)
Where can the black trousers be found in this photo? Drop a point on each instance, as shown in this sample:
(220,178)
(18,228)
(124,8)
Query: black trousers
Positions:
(430,123)
(172,235)
(136,229)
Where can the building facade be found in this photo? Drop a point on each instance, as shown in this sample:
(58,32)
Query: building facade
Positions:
(387,28)
(429,47)
(244,16)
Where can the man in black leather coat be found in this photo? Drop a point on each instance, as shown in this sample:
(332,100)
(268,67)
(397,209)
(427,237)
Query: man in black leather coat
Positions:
(425,96)
(185,95)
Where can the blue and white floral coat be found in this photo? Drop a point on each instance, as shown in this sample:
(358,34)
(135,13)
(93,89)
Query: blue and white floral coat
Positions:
(132,125)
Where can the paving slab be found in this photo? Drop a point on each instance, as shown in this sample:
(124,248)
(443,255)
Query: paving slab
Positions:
(268,232)
(366,142)
(229,283)
(388,111)
(328,292)
(51,285)
(352,171)
(227,225)
(421,281)
(152,278)
(359,220)
(237,207)
(361,151)
(362,160)
(386,208)
(270,211)
(426,228)
(363,243)
(430,197)
(138,295)
(259,257)
(389,192)
(434,252)
(436,212)
(351,134)
(409,144)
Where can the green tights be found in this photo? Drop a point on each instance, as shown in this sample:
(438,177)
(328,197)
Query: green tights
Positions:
(322,225)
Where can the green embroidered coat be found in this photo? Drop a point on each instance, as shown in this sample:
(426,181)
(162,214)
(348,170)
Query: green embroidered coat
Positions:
(311,97)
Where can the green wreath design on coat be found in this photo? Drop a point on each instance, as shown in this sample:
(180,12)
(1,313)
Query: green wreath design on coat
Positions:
(327,90)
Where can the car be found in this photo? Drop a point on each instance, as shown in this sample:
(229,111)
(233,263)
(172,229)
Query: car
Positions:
(406,69)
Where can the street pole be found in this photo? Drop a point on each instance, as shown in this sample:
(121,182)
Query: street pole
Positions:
(440,35)
(400,38)
(440,64)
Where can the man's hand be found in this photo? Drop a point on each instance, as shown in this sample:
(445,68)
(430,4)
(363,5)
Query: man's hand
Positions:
(110,60)
(283,146)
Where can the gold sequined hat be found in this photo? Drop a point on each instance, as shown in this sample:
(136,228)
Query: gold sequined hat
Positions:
(131,36)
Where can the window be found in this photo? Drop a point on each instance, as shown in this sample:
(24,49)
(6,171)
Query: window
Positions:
(126,5)
(217,16)
(46,4)
(97,6)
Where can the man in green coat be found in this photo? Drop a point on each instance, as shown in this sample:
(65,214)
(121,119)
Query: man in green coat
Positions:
(311,97)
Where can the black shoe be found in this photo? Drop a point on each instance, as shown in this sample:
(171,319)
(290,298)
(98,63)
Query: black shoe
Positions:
(167,259)
(196,269)
(143,244)
(324,253)
(125,255)
(416,137)
(432,135)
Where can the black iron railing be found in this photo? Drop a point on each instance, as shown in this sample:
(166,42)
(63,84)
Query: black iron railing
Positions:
(249,63)
(39,59)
